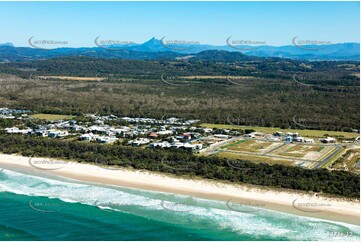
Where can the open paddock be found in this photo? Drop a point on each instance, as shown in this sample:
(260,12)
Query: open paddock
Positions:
(305,155)
(51,117)
(250,146)
(72,78)
(256,159)
(309,152)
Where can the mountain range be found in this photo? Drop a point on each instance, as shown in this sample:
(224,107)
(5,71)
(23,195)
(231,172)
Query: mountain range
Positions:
(159,49)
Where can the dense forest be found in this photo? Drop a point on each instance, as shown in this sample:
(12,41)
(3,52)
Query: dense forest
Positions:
(225,89)
(321,73)
(183,163)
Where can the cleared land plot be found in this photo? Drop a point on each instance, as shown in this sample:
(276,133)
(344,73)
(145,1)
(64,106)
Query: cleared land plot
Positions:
(51,117)
(256,159)
(305,155)
(250,146)
(73,78)
(270,130)
(309,152)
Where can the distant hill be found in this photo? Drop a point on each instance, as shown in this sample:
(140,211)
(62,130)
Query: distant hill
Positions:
(160,45)
(7,44)
(221,56)
(342,51)
(156,49)
(346,51)
(21,54)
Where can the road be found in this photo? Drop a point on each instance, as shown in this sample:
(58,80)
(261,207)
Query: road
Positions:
(212,149)
(328,157)
(216,148)
(269,156)
(276,148)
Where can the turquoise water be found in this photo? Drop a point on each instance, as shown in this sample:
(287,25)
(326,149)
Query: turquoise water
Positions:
(38,208)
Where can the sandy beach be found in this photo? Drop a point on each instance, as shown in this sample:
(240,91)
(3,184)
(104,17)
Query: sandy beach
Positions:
(299,203)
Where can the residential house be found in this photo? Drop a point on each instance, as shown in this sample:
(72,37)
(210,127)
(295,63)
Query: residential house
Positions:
(298,139)
(249,136)
(309,141)
(57,134)
(328,140)
(289,139)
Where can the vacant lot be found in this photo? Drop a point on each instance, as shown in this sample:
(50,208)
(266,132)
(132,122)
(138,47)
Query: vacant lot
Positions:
(256,159)
(51,117)
(305,155)
(72,78)
(309,152)
(250,146)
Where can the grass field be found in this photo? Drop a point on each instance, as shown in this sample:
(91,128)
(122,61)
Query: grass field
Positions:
(256,159)
(275,152)
(301,151)
(270,130)
(73,78)
(305,148)
(248,145)
(51,117)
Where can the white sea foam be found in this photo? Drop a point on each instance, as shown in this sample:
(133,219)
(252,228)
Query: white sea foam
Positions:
(172,208)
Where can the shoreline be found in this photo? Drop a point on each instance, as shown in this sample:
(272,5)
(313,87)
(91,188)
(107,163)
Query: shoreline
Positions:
(297,203)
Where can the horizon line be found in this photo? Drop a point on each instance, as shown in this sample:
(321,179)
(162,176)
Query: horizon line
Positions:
(130,43)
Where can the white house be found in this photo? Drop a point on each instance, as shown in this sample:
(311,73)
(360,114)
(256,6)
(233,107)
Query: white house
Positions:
(222,136)
(57,134)
(310,141)
(163,144)
(249,136)
(177,145)
(139,142)
(165,132)
(289,134)
(207,130)
(298,139)
(328,140)
(12,130)
(16,130)
(88,137)
(105,139)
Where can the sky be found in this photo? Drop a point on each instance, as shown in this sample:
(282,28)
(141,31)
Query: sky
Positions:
(77,24)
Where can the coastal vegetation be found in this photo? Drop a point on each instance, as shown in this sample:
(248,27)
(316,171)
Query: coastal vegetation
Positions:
(340,183)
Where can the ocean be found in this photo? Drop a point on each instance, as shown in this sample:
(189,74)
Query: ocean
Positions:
(48,208)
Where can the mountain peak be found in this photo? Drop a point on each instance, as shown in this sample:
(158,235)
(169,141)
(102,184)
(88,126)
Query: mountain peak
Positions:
(152,41)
